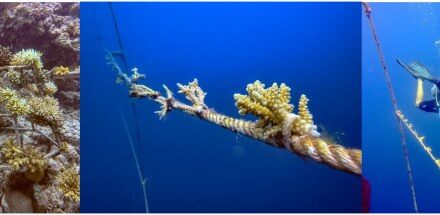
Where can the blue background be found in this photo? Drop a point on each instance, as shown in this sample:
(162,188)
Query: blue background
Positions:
(194,166)
(407,31)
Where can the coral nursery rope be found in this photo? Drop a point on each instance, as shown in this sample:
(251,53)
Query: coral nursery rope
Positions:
(276,124)
(420,139)
(394,102)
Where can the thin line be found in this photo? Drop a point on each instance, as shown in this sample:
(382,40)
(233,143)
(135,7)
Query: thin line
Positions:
(141,178)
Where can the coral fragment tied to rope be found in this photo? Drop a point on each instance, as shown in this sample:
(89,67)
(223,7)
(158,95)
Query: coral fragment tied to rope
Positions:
(277,125)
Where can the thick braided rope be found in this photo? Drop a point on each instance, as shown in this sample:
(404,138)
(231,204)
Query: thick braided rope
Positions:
(336,156)
(309,145)
(349,160)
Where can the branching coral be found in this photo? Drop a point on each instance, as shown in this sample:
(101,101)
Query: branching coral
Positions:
(13,102)
(270,105)
(13,155)
(50,88)
(274,112)
(303,109)
(69,184)
(193,93)
(29,160)
(44,110)
(14,77)
(28,57)
(276,125)
(165,106)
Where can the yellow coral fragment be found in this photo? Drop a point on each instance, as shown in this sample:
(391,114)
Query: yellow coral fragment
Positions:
(270,105)
(60,70)
(69,184)
(303,109)
(13,155)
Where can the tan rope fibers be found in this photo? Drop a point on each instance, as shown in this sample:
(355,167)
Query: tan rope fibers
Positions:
(334,155)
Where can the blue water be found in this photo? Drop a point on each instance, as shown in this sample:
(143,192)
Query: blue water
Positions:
(407,31)
(194,166)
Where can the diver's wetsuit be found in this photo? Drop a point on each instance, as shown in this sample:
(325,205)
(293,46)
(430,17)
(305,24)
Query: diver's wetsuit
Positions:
(431,105)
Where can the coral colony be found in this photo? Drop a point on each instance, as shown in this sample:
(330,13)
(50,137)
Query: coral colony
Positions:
(277,125)
(39,102)
(54,24)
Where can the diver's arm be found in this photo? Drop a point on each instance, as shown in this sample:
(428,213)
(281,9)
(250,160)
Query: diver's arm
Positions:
(419,96)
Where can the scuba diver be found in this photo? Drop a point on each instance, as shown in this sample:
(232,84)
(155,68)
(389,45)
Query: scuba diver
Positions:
(419,72)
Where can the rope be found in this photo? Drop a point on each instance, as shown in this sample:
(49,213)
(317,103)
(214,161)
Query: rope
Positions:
(138,135)
(420,139)
(394,102)
(333,155)
(115,23)
(124,61)
(142,180)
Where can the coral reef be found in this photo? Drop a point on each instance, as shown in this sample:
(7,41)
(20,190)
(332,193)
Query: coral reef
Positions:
(51,27)
(276,123)
(39,108)
(37,140)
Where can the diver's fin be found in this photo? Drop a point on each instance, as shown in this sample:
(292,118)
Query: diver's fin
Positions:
(416,69)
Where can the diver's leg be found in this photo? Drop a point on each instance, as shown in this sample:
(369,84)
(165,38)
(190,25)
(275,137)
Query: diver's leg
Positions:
(419,96)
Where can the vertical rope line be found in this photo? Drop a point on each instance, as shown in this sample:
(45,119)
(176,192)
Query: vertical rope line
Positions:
(138,135)
(142,180)
(124,61)
(394,102)
(118,36)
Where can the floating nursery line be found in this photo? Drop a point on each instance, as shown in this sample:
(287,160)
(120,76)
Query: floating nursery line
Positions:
(394,103)
(420,139)
(277,125)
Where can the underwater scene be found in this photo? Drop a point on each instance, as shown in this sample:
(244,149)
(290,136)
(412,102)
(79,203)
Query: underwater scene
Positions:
(180,113)
(404,173)
(39,107)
